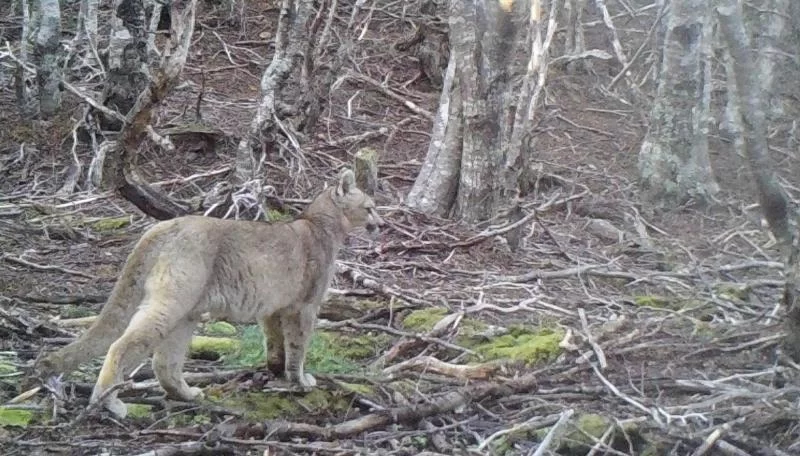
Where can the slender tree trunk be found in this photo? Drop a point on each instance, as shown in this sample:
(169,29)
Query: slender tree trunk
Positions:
(86,35)
(48,57)
(673,161)
(772,199)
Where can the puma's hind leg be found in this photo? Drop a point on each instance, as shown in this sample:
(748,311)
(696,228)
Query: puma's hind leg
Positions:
(148,329)
(298,327)
(274,344)
(168,361)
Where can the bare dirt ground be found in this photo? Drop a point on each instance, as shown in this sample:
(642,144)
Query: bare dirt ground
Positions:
(666,337)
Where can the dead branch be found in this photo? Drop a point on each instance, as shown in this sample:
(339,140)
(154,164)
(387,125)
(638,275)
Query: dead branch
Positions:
(413,107)
(44,267)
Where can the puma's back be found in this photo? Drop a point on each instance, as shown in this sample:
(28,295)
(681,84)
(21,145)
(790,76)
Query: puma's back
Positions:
(240,271)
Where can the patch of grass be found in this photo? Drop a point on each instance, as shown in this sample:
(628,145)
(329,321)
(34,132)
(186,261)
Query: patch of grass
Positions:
(329,352)
(525,344)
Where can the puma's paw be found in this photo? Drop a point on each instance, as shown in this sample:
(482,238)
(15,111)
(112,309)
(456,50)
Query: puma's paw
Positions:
(116,407)
(186,394)
(195,393)
(305,380)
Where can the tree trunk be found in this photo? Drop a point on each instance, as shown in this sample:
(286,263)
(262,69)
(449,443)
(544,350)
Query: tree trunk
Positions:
(474,156)
(772,199)
(128,74)
(48,57)
(290,42)
(86,34)
(674,165)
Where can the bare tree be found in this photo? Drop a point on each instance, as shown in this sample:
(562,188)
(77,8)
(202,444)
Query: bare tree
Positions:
(774,204)
(674,165)
(475,156)
(47,57)
(40,54)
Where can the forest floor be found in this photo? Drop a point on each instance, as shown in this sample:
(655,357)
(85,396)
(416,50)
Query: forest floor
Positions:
(614,328)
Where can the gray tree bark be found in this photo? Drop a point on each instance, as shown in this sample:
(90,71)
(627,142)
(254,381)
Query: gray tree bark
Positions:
(674,165)
(772,199)
(47,56)
(474,158)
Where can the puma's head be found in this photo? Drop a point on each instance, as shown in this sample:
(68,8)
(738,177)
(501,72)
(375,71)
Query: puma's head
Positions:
(357,207)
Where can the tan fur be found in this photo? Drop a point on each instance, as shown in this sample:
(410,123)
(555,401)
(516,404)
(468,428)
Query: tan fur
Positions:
(239,271)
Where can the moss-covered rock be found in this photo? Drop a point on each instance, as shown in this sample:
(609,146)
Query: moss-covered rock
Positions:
(207,347)
(220,329)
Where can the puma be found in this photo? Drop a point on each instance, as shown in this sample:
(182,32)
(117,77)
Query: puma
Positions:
(238,271)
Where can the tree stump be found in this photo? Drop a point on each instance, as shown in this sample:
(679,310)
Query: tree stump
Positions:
(365,167)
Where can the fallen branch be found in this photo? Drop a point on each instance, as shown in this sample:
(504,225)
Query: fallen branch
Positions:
(44,267)
(430,364)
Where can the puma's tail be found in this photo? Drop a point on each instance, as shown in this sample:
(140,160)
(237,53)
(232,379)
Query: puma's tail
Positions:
(110,324)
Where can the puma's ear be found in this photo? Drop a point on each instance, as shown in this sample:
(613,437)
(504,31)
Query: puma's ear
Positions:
(347,182)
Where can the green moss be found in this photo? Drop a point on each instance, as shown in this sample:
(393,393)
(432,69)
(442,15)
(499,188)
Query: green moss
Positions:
(220,328)
(529,345)
(111,224)
(15,417)
(269,405)
(733,291)
(358,388)
(658,302)
(423,320)
(73,311)
(263,406)
(274,215)
(208,347)
(332,352)
(588,424)
(7,369)
(139,411)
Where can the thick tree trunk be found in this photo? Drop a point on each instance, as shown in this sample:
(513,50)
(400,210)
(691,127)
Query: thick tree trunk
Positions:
(48,57)
(474,154)
(674,164)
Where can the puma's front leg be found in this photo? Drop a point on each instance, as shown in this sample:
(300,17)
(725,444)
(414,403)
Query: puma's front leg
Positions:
(273,344)
(298,327)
